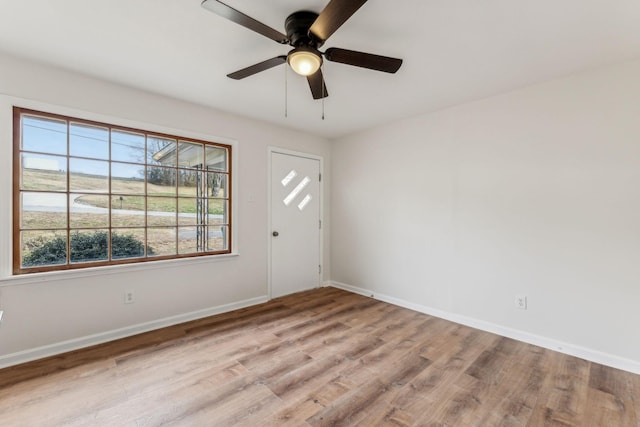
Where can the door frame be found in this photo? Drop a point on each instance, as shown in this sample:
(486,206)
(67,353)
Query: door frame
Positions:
(277,150)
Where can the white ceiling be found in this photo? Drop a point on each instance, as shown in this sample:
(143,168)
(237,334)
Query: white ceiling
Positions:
(454,51)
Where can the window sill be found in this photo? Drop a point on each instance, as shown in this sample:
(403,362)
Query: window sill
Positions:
(111,269)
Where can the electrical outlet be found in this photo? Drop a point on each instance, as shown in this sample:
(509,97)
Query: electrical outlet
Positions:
(521,302)
(129,297)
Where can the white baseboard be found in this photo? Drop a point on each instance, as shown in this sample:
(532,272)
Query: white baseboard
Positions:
(78,343)
(549,343)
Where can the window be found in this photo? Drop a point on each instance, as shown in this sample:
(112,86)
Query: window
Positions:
(88,194)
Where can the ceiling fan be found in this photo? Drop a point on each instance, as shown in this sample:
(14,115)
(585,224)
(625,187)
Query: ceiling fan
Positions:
(306,33)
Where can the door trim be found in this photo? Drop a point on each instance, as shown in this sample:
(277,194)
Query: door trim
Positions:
(271,150)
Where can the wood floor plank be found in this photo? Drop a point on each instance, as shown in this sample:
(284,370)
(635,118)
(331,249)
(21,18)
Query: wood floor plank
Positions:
(318,358)
(293,415)
(635,394)
(611,396)
(564,401)
(48,404)
(301,378)
(350,407)
(429,390)
(271,370)
(606,409)
(385,415)
(519,390)
(369,318)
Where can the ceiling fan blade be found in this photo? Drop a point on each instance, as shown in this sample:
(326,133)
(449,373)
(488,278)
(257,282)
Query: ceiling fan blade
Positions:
(364,60)
(333,16)
(238,17)
(317,85)
(256,68)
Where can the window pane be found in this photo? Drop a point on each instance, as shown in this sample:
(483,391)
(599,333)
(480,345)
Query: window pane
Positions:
(38,219)
(188,211)
(128,243)
(44,135)
(41,248)
(127,211)
(125,204)
(88,211)
(161,151)
(190,155)
(127,146)
(42,172)
(44,210)
(161,211)
(217,185)
(88,175)
(189,182)
(217,211)
(127,178)
(89,245)
(190,240)
(217,238)
(162,241)
(216,158)
(88,141)
(161,181)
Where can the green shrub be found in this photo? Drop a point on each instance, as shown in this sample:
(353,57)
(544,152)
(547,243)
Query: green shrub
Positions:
(85,247)
(127,246)
(48,253)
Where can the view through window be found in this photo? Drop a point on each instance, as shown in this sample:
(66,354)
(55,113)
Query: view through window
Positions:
(90,194)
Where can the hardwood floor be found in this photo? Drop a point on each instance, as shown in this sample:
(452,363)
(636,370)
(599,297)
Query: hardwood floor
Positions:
(319,358)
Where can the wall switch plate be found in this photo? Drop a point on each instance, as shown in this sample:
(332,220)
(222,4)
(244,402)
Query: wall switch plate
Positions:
(129,297)
(1,313)
(521,302)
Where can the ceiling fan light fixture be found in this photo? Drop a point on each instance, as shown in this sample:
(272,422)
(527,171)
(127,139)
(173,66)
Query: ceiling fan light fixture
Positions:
(304,60)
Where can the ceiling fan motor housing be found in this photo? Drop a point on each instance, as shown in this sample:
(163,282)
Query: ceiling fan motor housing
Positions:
(297,26)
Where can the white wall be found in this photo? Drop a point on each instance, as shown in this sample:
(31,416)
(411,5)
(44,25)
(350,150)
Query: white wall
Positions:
(535,192)
(48,313)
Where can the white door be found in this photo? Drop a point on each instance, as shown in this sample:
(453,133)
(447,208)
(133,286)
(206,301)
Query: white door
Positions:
(295,223)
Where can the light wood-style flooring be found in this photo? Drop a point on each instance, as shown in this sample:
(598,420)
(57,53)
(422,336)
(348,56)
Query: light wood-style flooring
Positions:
(320,358)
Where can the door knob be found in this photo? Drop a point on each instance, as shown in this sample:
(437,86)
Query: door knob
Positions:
(275,234)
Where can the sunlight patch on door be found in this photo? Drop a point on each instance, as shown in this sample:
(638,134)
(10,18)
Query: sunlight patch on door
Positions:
(303,204)
(294,193)
(287,179)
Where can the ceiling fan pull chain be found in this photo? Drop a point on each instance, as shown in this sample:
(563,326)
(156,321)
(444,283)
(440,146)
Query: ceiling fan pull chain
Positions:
(324,91)
(286,93)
